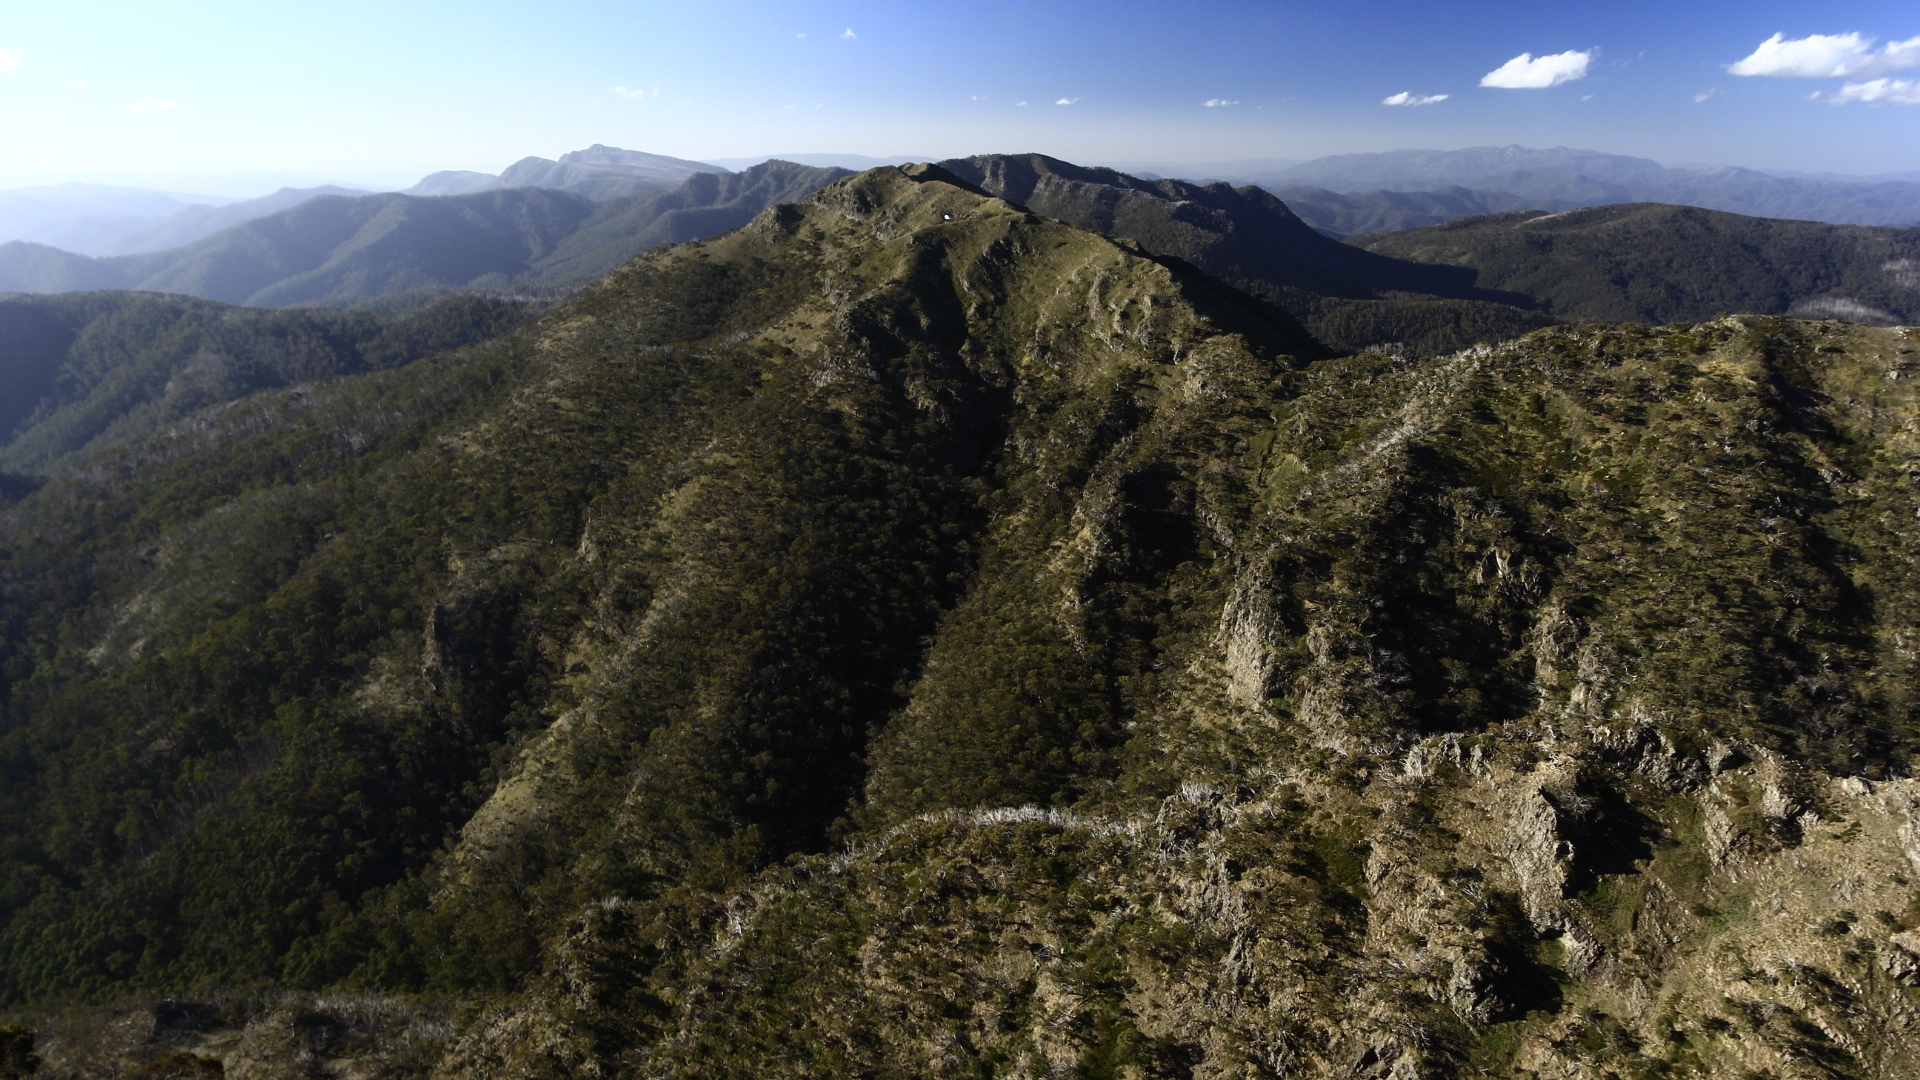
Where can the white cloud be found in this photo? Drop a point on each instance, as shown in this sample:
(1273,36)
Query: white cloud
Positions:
(1705,94)
(848,34)
(1827,56)
(77,84)
(799,35)
(1219,103)
(153,104)
(1406,97)
(10,60)
(1528,72)
(1891,91)
(1064,101)
(634,95)
(1022,105)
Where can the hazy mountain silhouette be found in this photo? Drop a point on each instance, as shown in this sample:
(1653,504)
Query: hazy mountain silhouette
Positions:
(332,249)
(1586,177)
(1340,215)
(598,172)
(339,250)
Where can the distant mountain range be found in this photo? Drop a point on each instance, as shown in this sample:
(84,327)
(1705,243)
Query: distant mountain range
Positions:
(98,220)
(338,250)
(1486,277)
(1566,177)
(31,213)
(1666,264)
(598,172)
(103,220)
(1340,214)
(854,162)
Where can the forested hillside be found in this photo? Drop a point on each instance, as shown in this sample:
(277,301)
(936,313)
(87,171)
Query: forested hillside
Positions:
(344,251)
(87,370)
(1653,264)
(909,636)
(1352,300)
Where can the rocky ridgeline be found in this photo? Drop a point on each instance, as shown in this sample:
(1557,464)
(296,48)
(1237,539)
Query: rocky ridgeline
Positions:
(947,643)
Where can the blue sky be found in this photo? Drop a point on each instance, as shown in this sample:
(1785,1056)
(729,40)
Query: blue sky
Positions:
(384,92)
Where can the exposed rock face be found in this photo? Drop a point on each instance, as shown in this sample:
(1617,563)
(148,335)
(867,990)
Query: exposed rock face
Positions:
(965,646)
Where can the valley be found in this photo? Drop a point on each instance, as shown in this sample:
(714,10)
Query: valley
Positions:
(973,618)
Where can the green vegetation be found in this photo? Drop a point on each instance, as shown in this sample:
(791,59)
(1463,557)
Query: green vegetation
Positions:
(1654,264)
(338,250)
(1351,300)
(90,370)
(909,636)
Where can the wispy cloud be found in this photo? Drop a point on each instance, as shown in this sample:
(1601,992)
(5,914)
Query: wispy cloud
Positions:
(634,95)
(1066,101)
(153,104)
(1705,94)
(1888,91)
(848,34)
(1406,97)
(77,84)
(1219,103)
(10,59)
(1022,105)
(1528,72)
(1827,56)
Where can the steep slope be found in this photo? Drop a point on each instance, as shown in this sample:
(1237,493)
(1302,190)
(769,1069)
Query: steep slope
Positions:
(707,204)
(1540,711)
(1655,264)
(798,422)
(1248,237)
(339,251)
(908,636)
(1586,177)
(89,370)
(328,249)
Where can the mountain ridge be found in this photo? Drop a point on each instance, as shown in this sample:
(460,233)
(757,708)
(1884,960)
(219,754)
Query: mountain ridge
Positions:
(1652,263)
(1587,177)
(599,172)
(911,636)
(347,250)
